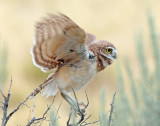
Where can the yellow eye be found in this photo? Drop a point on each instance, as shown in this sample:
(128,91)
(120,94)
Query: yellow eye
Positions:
(109,50)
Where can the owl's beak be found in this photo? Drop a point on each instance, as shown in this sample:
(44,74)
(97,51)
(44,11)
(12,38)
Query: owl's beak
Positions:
(115,56)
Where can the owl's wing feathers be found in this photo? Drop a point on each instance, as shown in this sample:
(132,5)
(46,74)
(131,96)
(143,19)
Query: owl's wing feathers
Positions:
(58,39)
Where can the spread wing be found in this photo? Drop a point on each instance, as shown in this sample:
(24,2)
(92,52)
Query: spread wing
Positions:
(58,39)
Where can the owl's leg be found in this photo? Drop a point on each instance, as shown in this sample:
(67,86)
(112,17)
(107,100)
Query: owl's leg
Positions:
(75,106)
(69,99)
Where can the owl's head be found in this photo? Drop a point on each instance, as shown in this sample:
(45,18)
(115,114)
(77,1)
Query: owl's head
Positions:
(108,54)
(105,52)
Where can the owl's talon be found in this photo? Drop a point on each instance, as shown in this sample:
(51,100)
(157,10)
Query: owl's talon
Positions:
(81,112)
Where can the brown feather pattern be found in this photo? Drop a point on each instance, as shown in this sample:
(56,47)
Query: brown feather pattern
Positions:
(59,40)
(55,36)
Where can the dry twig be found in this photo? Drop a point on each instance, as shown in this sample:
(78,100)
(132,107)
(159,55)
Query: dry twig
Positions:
(35,120)
(5,118)
(6,101)
(84,123)
(111,111)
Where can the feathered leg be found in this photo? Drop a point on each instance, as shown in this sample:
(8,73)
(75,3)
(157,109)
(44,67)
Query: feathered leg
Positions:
(69,99)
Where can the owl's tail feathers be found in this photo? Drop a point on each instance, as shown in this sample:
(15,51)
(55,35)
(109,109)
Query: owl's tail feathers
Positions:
(51,89)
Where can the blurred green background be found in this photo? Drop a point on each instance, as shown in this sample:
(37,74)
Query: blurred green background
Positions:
(125,23)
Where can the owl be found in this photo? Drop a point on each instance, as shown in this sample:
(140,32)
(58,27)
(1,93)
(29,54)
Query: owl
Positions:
(73,55)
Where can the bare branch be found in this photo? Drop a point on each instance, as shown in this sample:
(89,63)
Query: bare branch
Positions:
(49,107)
(40,87)
(38,120)
(58,109)
(10,86)
(34,93)
(33,121)
(86,119)
(84,123)
(76,98)
(33,110)
(111,111)
(6,101)
(26,105)
(87,100)
(17,108)
(2,94)
(5,105)
(90,123)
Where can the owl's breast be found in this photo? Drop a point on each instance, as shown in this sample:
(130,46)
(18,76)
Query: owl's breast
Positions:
(76,74)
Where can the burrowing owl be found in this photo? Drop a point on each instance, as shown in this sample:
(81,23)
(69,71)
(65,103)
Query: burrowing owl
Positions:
(75,54)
